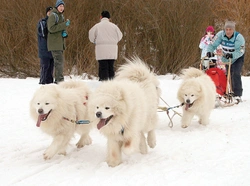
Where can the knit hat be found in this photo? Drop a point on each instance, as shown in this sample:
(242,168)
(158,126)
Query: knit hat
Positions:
(105,14)
(210,29)
(48,9)
(59,2)
(229,24)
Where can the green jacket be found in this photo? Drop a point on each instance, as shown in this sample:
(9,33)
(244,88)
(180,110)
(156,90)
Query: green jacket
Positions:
(56,25)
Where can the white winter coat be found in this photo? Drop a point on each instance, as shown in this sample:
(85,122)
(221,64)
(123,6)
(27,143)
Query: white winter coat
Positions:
(105,35)
(205,41)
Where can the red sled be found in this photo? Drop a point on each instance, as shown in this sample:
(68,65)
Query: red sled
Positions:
(219,78)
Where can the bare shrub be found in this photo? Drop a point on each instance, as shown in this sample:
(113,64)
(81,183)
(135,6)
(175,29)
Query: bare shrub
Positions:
(164,33)
(237,11)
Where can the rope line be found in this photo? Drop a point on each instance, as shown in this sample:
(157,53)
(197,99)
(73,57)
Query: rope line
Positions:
(170,124)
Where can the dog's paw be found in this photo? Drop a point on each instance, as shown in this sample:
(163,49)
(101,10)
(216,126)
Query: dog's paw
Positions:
(80,145)
(49,153)
(47,156)
(62,153)
(151,143)
(203,121)
(128,150)
(114,163)
(184,126)
(82,142)
(151,139)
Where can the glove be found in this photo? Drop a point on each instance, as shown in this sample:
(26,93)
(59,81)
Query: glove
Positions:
(64,34)
(228,55)
(67,22)
(210,54)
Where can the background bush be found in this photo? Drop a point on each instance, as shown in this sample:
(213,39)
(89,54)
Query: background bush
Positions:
(164,33)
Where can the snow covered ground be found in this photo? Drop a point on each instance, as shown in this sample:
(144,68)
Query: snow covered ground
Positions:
(213,155)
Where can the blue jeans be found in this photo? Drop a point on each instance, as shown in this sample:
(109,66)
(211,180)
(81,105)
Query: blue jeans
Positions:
(235,71)
(46,70)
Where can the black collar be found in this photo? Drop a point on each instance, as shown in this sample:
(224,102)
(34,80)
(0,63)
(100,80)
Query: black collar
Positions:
(228,37)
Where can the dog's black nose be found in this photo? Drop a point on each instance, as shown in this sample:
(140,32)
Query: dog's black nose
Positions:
(40,111)
(188,101)
(98,114)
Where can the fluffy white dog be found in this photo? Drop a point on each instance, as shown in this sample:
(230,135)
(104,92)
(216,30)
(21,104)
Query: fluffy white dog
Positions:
(57,108)
(125,109)
(198,94)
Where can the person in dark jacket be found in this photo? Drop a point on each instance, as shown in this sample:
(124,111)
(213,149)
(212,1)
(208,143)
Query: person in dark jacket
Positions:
(46,58)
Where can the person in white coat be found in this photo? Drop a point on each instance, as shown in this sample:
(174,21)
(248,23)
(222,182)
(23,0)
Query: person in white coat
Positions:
(105,35)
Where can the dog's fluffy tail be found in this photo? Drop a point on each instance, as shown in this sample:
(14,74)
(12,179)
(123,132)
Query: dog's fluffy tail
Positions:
(190,73)
(135,70)
(138,71)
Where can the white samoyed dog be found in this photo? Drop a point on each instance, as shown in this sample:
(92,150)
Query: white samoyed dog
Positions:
(57,109)
(198,94)
(125,109)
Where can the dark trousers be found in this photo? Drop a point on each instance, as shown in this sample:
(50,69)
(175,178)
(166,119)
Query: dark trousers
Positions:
(235,72)
(106,69)
(58,65)
(46,70)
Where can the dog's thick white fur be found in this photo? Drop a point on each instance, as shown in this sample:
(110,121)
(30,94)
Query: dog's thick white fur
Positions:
(125,109)
(198,94)
(56,108)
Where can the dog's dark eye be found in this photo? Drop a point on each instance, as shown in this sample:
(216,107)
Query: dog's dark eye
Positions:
(192,95)
(106,108)
(46,103)
(38,103)
(185,94)
(97,107)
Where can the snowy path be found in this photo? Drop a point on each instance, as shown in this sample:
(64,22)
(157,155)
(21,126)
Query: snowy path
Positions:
(217,154)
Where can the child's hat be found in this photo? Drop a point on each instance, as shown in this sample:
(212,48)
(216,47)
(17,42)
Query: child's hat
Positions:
(210,29)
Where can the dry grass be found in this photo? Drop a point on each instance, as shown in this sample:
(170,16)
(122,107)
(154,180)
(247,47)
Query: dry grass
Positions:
(164,33)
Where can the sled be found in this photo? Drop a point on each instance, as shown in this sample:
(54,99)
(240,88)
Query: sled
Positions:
(225,95)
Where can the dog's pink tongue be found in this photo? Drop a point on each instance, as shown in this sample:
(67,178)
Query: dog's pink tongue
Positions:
(39,119)
(101,124)
(186,106)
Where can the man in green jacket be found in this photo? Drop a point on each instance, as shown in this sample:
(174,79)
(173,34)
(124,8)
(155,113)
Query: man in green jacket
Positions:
(57,33)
